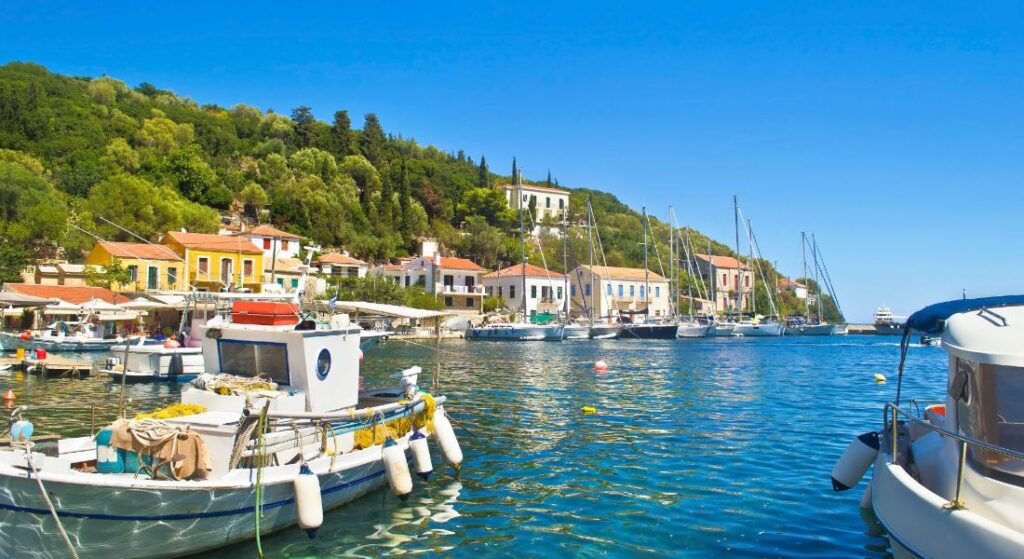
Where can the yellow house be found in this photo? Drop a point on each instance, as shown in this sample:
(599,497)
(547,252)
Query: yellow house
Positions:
(218,262)
(149,266)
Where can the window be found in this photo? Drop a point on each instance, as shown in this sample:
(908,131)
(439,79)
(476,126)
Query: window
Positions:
(247,268)
(226,273)
(448,301)
(746,281)
(266,244)
(632,290)
(469,302)
(470,282)
(133,273)
(448,280)
(657,291)
(284,244)
(561,203)
(547,202)
(295,283)
(609,290)
(621,292)
(641,292)
(204,265)
(172,277)
(725,280)
(559,292)
(586,289)
(499,291)
(990,407)
(572,290)
(153,278)
(407,281)
(280,281)
(545,291)
(533,291)
(249,359)
(352,271)
(511,292)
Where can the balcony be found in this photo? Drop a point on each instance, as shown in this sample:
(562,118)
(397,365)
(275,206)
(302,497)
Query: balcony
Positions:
(462,290)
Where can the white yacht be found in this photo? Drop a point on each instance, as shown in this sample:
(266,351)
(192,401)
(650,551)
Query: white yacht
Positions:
(692,328)
(948,478)
(886,323)
(758,327)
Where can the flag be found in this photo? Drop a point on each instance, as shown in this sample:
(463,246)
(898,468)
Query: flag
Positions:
(333,301)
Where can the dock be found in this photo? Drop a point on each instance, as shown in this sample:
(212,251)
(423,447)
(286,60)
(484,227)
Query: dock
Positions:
(861,329)
(57,366)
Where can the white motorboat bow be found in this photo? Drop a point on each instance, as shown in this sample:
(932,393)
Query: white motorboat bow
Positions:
(949,482)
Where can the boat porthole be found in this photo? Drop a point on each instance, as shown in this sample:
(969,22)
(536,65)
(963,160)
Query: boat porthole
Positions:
(323,364)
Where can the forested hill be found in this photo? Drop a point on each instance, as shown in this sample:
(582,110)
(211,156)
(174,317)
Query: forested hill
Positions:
(78,155)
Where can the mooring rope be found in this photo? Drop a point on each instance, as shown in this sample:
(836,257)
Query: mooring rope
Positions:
(49,503)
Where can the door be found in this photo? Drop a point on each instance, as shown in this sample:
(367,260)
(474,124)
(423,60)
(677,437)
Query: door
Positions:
(226,271)
(153,278)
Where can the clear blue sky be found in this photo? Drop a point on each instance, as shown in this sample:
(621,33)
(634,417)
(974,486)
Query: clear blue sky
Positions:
(892,131)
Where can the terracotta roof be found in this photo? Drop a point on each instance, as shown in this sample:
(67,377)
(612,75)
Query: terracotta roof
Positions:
(532,271)
(339,258)
(786,282)
(144,251)
(284,265)
(628,274)
(722,262)
(390,267)
(72,294)
(270,231)
(535,188)
(455,263)
(218,243)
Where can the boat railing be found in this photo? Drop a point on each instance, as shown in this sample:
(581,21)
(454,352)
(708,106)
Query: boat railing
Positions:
(890,418)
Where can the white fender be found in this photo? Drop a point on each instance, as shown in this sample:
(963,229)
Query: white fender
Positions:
(855,461)
(397,469)
(865,499)
(308,505)
(421,455)
(446,438)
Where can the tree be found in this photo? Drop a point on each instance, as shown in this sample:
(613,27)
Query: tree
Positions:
(372,140)
(254,198)
(548,183)
(191,174)
(110,277)
(13,260)
(488,203)
(142,208)
(342,135)
(305,123)
(515,170)
(483,176)
(313,161)
(162,134)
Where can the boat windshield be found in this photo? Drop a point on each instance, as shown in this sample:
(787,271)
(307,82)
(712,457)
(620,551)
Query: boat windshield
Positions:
(269,360)
(990,407)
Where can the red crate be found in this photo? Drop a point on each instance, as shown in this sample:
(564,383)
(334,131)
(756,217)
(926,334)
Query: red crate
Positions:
(265,313)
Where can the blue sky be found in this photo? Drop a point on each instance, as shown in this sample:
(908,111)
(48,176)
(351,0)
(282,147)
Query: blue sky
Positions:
(891,131)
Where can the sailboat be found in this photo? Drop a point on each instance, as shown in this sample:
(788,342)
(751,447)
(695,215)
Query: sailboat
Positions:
(648,329)
(688,326)
(807,327)
(600,328)
(757,326)
(571,330)
(523,329)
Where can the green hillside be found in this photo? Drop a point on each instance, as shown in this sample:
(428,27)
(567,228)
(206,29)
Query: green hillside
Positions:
(82,158)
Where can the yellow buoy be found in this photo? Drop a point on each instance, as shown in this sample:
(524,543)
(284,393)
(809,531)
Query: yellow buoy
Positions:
(879,378)
(587,410)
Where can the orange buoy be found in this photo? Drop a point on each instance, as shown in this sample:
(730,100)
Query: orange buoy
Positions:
(360,356)
(9,396)
(171,343)
(601,365)
(26,335)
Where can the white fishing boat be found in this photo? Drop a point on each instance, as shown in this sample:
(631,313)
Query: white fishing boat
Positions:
(948,478)
(281,435)
(154,363)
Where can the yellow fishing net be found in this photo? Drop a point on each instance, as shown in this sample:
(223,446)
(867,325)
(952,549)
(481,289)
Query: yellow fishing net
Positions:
(173,410)
(397,428)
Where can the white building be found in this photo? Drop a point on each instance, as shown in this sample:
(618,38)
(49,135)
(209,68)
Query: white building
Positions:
(545,290)
(550,204)
(798,289)
(342,265)
(455,280)
(273,242)
(721,275)
(618,289)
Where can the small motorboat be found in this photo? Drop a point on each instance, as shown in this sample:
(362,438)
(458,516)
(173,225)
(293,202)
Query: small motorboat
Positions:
(948,478)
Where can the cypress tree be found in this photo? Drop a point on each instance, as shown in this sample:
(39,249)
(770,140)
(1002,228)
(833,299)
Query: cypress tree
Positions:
(485,176)
(372,140)
(515,170)
(549,178)
(341,132)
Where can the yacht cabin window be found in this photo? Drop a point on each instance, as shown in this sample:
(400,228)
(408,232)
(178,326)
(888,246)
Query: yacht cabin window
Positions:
(990,408)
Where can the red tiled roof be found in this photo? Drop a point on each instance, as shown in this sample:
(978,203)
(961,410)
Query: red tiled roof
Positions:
(75,295)
(339,258)
(455,263)
(722,262)
(535,187)
(628,274)
(532,271)
(270,231)
(786,282)
(391,268)
(144,251)
(219,243)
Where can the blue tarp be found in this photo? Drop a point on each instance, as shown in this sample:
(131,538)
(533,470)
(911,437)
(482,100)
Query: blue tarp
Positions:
(932,319)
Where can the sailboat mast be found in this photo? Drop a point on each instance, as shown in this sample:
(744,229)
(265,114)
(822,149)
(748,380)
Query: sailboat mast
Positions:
(522,236)
(803,254)
(817,279)
(714,280)
(672,261)
(647,272)
(590,237)
(753,276)
(739,264)
(565,263)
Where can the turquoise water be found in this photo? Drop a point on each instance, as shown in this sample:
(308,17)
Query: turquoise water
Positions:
(718,447)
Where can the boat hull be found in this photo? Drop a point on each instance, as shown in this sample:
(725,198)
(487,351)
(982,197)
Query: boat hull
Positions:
(136,519)
(9,341)
(810,330)
(758,330)
(693,331)
(889,329)
(721,330)
(649,331)
(605,331)
(515,332)
(576,332)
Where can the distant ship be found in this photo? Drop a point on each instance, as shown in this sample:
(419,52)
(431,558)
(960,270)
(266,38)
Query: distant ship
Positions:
(886,323)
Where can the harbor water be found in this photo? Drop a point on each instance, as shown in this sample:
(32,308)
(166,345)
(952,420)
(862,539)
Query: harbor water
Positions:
(698,448)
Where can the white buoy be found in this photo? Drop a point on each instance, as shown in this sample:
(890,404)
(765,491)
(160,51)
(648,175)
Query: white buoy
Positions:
(308,505)
(855,461)
(397,468)
(446,438)
(865,499)
(421,455)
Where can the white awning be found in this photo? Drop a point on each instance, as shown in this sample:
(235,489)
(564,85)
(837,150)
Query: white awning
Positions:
(99,305)
(380,309)
(62,307)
